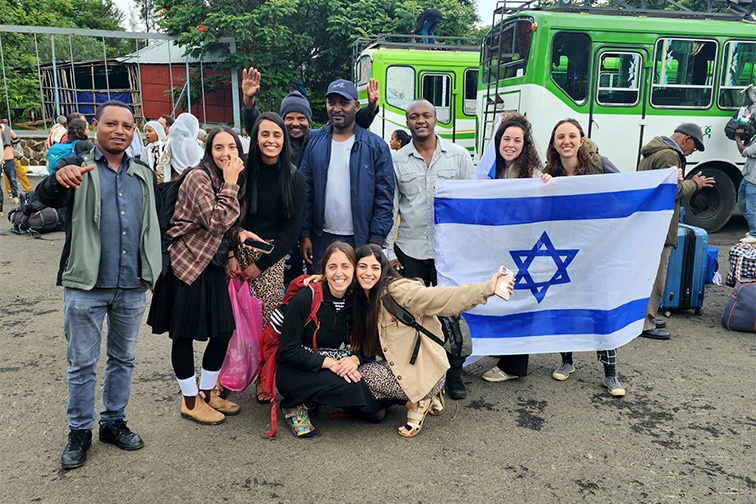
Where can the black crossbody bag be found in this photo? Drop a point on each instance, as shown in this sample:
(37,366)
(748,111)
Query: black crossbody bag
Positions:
(406,318)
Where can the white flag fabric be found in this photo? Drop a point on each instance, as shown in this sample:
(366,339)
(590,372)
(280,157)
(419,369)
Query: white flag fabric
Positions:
(585,251)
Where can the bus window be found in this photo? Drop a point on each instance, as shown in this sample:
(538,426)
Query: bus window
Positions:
(471,91)
(619,79)
(506,50)
(683,73)
(400,86)
(570,63)
(363,69)
(739,71)
(437,90)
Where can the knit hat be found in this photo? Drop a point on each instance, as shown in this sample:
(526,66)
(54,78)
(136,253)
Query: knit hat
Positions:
(296,102)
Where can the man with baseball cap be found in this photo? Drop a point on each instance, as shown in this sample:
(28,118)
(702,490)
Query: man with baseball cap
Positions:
(350,180)
(296,112)
(667,152)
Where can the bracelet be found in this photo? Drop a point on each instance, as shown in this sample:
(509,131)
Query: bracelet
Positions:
(232,255)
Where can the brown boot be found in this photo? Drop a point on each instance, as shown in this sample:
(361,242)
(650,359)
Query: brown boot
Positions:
(201,413)
(228,408)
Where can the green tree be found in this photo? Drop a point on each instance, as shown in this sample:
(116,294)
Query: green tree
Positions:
(297,43)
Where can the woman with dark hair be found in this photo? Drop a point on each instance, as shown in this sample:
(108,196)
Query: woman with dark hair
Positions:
(316,365)
(406,364)
(275,202)
(399,139)
(191,301)
(570,153)
(78,134)
(516,157)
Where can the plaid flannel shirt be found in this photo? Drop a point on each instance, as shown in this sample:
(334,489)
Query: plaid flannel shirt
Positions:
(200,220)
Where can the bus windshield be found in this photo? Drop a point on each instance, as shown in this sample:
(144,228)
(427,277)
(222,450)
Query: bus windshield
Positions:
(506,50)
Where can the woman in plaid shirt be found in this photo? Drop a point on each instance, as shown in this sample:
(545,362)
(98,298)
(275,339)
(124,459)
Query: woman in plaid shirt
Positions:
(191,302)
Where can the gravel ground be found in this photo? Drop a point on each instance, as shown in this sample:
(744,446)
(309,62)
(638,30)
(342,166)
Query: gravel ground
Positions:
(685,432)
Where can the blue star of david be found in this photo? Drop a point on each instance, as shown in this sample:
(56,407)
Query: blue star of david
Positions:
(543,247)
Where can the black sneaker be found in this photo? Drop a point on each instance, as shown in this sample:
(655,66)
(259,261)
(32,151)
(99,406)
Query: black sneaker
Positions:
(75,453)
(119,434)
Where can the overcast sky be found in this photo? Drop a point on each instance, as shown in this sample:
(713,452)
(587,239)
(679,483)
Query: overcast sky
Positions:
(485,10)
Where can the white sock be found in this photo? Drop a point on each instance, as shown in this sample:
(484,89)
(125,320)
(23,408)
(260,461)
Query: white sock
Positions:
(188,386)
(208,379)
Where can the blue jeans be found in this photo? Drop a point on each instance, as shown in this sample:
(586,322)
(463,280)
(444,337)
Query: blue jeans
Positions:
(85,312)
(9,167)
(747,204)
(428,32)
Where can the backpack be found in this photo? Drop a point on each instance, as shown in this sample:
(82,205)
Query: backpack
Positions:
(37,223)
(29,203)
(57,152)
(271,342)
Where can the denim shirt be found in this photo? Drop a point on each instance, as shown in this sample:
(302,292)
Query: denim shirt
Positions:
(120,225)
(415,192)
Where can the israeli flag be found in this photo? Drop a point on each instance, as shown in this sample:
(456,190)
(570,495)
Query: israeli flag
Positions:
(585,251)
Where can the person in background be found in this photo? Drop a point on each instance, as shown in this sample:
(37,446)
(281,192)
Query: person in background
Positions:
(9,165)
(166,121)
(181,150)
(106,267)
(666,152)
(78,134)
(417,167)
(57,132)
(399,138)
(201,137)
(70,117)
(154,135)
(516,157)
(21,170)
(427,22)
(191,301)
(747,188)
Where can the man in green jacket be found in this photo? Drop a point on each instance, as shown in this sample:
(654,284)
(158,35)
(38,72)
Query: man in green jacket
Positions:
(670,152)
(111,256)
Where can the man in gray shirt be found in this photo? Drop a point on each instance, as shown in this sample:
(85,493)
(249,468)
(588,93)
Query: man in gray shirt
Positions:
(417,166)
(747,188)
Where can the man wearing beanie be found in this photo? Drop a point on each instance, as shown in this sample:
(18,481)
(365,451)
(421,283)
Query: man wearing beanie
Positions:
(666,152)
(296,112)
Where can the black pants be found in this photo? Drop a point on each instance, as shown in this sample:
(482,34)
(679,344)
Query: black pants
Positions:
(516,365)
(424,269)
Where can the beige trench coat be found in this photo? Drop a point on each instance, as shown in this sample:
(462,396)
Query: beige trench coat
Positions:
(398,340)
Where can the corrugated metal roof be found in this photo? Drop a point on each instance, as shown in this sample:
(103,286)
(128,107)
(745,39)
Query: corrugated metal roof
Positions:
(167,51)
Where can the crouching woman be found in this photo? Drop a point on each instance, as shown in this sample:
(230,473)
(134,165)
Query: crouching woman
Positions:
(315,363)
(406,364)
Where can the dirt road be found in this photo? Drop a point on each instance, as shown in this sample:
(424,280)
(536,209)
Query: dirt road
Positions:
(685,432)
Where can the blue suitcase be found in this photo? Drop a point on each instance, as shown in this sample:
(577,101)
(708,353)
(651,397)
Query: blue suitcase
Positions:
(686,275)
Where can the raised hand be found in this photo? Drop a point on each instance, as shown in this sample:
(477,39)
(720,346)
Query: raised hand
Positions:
(250,86)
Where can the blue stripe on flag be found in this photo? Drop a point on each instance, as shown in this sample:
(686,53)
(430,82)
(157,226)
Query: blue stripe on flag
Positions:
(556,322)
(510,211)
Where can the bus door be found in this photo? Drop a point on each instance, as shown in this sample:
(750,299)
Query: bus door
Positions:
(438,88)
(618,104)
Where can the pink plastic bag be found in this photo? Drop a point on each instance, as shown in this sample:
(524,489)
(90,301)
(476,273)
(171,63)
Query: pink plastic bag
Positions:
(243,355)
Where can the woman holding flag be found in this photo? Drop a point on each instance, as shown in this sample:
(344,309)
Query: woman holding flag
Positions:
(569,153)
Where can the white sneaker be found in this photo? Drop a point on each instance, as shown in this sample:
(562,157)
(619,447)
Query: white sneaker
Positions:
(563,371)
(748,239)
(497,375)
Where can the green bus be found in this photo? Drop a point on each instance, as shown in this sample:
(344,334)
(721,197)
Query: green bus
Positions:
(446,74)
(627,76)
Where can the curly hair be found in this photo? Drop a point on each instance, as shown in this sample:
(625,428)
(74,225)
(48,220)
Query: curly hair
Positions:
(77,129)
(528,160)
(554,165)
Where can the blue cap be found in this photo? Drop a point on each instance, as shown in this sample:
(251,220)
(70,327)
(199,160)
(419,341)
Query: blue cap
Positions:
(344,88)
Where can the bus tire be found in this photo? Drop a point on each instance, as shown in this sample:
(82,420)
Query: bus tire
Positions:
(711,207)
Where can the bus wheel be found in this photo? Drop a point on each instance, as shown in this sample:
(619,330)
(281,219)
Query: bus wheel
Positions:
(710,208)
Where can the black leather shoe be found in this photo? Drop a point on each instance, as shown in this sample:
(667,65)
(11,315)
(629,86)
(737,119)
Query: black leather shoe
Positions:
(455,387)
(660,324)
(118,434)
(75,453)
(658,334)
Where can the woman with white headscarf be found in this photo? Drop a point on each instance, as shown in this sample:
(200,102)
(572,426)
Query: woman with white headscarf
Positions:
(154,135)
(181,149)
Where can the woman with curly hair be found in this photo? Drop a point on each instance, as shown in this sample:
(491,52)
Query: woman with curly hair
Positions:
(516,157)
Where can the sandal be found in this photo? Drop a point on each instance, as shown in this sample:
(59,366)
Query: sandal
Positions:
(437,404)
(262,397)
(415,418)
(298,420)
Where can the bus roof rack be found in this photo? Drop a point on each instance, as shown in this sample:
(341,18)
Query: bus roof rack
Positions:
(408,41)
(673,8)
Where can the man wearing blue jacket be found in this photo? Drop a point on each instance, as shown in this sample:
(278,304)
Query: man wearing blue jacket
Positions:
(350,180)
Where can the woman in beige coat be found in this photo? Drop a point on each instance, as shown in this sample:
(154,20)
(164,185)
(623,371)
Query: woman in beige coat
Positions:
(407,365)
